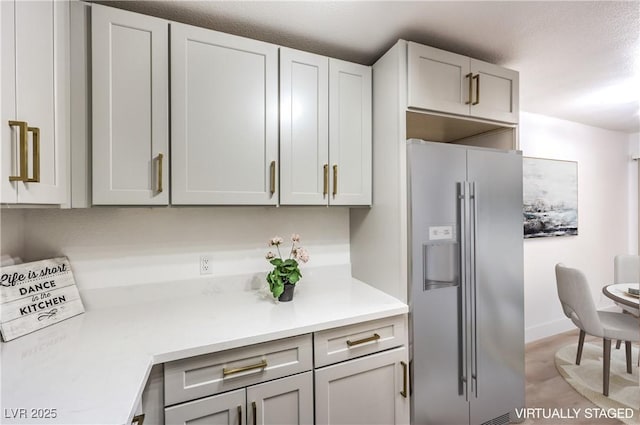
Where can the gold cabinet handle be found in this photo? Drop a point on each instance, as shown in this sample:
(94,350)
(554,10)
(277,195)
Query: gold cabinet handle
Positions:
(470,77)
(160,161)
(335,180)
(403,393)
(477,78)
(22,142)
(272,179)
(325,187)
(261,365)
(138,420)
(36,155)
(254,410)
(375,337)
(239,415)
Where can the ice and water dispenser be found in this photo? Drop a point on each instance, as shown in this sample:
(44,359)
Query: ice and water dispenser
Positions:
(440,258)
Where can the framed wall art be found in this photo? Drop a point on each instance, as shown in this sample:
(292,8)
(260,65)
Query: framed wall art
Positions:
(550,197)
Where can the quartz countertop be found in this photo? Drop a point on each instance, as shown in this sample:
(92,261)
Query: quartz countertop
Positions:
(92,368)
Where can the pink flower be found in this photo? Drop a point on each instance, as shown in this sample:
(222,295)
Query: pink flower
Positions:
(302,254)
(275,241)
(295,237)
(270,255)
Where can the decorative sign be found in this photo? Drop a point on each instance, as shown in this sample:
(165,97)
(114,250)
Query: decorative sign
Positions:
(35,295)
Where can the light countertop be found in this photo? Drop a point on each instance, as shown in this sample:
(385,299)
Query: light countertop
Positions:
(93,368)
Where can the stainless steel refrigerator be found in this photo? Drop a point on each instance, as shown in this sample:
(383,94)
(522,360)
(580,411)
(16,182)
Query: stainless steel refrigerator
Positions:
(466,291)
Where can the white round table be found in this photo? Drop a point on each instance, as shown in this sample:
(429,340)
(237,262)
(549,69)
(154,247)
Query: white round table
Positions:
(619,292)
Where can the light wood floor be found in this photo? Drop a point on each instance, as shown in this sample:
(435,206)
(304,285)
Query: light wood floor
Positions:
(546,388)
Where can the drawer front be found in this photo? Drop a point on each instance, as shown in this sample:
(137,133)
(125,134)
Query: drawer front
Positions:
(348,342)
(210,374)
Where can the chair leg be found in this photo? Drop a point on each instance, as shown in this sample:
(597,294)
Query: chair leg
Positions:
(606,356)
(580,345)
(627,349)
(618,342)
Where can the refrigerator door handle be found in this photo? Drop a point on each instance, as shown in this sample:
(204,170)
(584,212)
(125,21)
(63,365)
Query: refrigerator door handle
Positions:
(474,274)
(462,289)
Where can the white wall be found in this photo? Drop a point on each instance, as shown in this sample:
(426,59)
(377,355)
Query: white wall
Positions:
(12,233)
(127,246)
(634,194)
(603,216)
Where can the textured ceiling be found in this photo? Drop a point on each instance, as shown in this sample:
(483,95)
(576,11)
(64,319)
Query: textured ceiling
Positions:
(578,61)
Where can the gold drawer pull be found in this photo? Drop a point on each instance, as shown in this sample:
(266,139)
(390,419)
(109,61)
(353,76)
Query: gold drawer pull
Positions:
(403,393)
(22,142)
(138,420)
(335,180)
(375,337)
(477,78)
(36,155)
(254,410)
(469,76)
(160,160)
(261,365)
(272,177)
(325,188)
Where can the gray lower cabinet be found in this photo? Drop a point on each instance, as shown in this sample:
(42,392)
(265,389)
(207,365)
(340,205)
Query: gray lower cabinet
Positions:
(369,390)
(266,383)
(355,374)
(362,373)
(222,409)
(280,402)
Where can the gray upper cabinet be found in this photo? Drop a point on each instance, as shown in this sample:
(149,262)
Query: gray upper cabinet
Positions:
(350,133)
(224,118)
(34,39)
(130,108)
(446,82)
(304,128)
(248,122)
(325,130)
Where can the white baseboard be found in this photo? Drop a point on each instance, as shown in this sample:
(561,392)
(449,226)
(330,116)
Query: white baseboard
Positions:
(544,330)
(534,333)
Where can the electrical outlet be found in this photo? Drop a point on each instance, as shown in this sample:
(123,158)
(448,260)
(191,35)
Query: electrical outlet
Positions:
(205,264)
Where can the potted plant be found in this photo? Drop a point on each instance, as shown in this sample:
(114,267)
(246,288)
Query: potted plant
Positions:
(286,273)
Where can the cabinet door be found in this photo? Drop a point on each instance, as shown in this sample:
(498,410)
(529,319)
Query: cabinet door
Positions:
(364,391)
(224,102)
(496,92)
(34,90)
(304,126)
(350,133)
(222,409)
(285,401)
(9,140)
(130,108)
(438,80)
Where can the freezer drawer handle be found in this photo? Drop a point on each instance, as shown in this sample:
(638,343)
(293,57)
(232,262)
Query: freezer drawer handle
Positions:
(403,393)
(375,337)
(261,365)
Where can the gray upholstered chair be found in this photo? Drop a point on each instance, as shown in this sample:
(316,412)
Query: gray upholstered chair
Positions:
(626,268)
(578,305)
